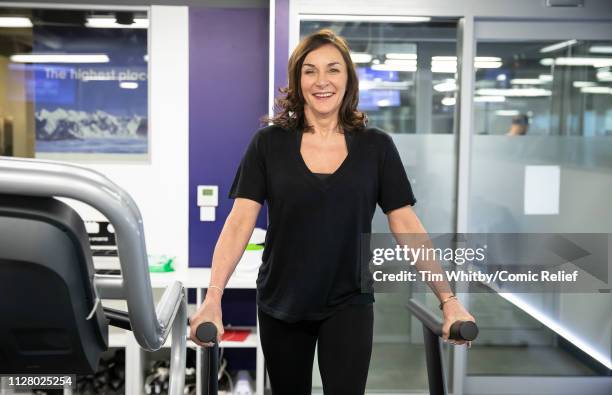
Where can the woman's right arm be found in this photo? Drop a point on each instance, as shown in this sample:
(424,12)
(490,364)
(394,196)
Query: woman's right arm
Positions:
(232,242)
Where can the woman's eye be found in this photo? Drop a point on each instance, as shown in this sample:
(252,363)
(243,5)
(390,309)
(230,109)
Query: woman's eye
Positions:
(334,70)
(308,72)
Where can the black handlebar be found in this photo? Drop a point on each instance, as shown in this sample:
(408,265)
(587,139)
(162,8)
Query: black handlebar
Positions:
(460,330)
(432,331)
(463,330)
(207,332)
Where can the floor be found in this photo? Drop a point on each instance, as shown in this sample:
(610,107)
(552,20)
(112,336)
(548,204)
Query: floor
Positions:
(401,367)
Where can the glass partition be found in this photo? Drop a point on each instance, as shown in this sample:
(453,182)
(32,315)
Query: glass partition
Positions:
(542,162)
(73,84)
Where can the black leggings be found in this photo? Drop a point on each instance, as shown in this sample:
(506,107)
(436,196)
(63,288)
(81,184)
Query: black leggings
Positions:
(344,350)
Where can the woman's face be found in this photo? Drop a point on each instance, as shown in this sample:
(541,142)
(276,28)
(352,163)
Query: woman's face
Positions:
(323,81)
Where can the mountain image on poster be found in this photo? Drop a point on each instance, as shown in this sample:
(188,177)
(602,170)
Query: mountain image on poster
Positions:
(65,130)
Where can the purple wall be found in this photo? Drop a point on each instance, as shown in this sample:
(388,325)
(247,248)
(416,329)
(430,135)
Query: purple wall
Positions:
(228,73)
(281,44)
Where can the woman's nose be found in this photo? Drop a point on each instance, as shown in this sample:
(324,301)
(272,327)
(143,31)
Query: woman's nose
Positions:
(321,81)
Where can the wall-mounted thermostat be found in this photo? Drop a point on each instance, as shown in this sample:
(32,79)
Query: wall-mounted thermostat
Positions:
(208,200)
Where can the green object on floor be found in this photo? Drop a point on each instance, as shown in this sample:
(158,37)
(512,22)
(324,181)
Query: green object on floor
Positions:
(161,264)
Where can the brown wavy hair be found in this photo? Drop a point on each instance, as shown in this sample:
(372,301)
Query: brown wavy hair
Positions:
(289,109)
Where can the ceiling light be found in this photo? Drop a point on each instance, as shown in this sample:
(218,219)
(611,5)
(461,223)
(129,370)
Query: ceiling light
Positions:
(444,69)
(449,63)
(515,92)
(394,67)
(401,61)
(487,59)
(596,89)
(526,81)
(557,46)
(489,99)
(446,86)
(600,49)
(545,77)
(487,65)
(448,101)
(15,21)
(361,57)
(582,84)
(604,75)
(383,103)
(507,113)
(365,85)
(111,23)
(403,56)
(501,77)
(59,58)
(595,62)
(444,64)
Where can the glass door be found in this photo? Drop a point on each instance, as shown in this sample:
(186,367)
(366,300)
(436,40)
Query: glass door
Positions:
(541,162)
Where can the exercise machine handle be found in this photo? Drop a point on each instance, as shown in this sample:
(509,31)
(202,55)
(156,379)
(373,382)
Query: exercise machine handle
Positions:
(463,330)
(206,332)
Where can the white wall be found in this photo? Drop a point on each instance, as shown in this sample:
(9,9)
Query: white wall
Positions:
(160,187)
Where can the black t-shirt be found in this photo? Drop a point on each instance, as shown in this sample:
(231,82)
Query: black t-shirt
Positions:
(311,260)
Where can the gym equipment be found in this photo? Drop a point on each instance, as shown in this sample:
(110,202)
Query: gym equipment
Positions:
(207,333)
(432,332)
(54,321)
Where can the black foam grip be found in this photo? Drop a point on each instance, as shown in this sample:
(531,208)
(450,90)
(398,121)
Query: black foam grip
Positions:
(207,332)
(463,330)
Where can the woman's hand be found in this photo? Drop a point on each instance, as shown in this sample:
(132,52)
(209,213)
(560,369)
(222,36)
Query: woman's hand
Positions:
(454,311)
(209,311)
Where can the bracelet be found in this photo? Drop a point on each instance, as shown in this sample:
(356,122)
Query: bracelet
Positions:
(214,286)
(447,300)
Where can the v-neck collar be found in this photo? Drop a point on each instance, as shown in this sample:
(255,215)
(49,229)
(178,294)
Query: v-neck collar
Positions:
(329,180)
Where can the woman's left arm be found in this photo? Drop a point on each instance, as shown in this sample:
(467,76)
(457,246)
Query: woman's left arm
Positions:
(405,225)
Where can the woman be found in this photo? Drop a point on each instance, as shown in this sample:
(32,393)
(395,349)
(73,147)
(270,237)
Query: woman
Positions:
(322,173)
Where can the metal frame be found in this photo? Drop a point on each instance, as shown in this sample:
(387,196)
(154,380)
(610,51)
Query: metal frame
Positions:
(150,327)
(432,330)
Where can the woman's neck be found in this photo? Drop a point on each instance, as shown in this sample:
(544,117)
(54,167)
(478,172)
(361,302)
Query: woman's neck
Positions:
(323,126)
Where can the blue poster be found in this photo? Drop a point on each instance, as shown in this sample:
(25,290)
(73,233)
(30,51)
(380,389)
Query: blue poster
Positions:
(93,107)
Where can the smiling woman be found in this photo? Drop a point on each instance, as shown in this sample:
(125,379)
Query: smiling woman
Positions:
(322,173)
(322,60)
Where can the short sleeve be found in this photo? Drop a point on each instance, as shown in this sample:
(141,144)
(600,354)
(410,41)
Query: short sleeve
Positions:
(394,189)
(250,179)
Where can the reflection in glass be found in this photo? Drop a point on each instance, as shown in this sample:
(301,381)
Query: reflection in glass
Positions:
(74,84)
(542,162)
(402,88)
(550,88)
